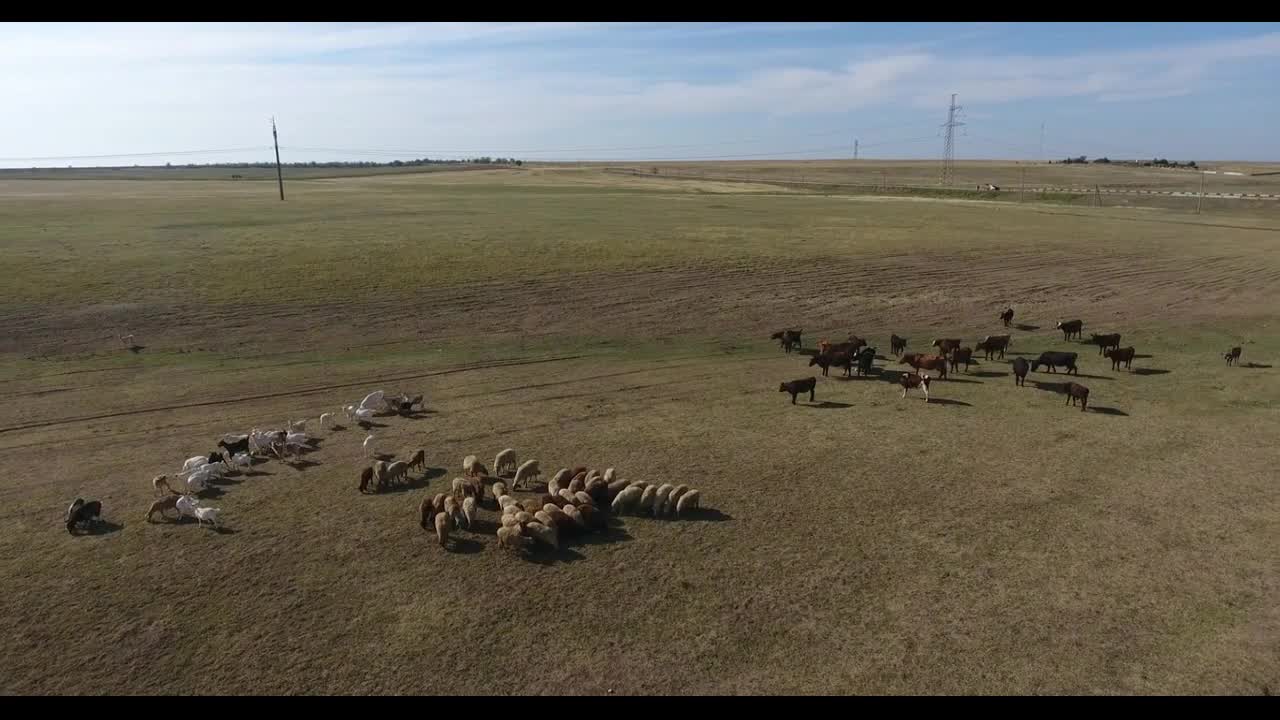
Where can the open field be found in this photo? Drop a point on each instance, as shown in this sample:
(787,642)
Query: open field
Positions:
(990,541)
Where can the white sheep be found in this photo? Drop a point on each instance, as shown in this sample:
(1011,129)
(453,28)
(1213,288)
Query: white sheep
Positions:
(372,401)
(242,460)
(688,502)
(297,425)
(616,487)
(561,479)
(325,418)
(626,499)
(504,461)
(187,505)
(525,473)
(469,511)
(505,500)
(660,498)
(192,463)
(575,516)
(207,514)
(368,445)
(196,484)
(499,489)
(349,411)
(581,498)
(364,415)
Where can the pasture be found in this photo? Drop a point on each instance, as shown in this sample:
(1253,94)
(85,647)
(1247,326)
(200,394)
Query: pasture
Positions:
(992,540)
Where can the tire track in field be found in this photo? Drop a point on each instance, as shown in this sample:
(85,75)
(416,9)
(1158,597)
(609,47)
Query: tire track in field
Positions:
(304,391)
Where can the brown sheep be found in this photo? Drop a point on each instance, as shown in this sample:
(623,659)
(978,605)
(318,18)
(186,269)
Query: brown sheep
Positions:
(426,513)
(532,505)
(558,516)
(419,460)
(366,475)
(442,528)
(168,502)
(1076,391)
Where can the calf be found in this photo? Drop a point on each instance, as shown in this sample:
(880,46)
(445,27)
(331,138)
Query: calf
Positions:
(994,344)
(82,514)
(945,345)
(1233,355)
(920,362)
(1070,327)
(798,387)
(787,338)
(1007,316)
(897,345)
(825,361)
(1105,342)
(908,381)
(1020,368)
(1076,391)
(1056,359)
(1118,356)
(961,355)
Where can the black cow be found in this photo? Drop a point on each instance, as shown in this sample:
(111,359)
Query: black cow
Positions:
(1020,368)
(1076,391)
(866,359)
(1118,356)
(1105,342)
(897,344)
(1007,317)
(82,513)
(787,338)
(994,344)
(1056,359)
(838,359)
(1070,327)
(1232,355)
(797,387)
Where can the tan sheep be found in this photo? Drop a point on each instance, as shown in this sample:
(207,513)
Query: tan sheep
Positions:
(660,499)
(568,497)
(512,509)
(562,477)
(471,466)
(609,475)
(504,461)
(591,475)
(160,484)
(674,497)
(499,489)
(577,484)
(438,502)
(616,487)
(626,500)
(581,498)
(543,534)
(419,460)
(575,515)
(580,478)
(510,537)
(531,505)
(442,528)
(525,474)
(688,502)
(558,518)
(646,500)
(469,512)
(458,487)
(510,521)
(453,509)
(524,518)
(426,513)
(594,519)
(505,500)
(542,517)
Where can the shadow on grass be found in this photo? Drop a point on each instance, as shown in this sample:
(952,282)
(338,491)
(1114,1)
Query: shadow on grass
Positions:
(1108,411)
(946,401)
(135,349)
(954,379)
(1256,366)
(101,527)
(1149,371)
(301,464)
(462,545)
(704,515)
(418,414)
(1093,377)
(410,483)
(989,374)
(1141,357)
(1025,328)
(828,405)
(367,425)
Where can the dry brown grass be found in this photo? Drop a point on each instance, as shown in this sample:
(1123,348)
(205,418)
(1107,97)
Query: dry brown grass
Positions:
(992,541)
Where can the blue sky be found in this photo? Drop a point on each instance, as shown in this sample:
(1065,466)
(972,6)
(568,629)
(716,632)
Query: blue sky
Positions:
(563,91)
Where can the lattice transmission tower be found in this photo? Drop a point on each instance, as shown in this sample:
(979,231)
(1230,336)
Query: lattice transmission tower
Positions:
(949,145)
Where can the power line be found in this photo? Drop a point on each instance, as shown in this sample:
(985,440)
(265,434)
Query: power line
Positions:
(132,155)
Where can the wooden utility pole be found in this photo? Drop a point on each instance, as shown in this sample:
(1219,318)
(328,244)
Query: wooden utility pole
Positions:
(279,174)
(1200,200)
(1097,196)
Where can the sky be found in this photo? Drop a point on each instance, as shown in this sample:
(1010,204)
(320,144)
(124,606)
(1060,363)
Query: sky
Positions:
(149,93)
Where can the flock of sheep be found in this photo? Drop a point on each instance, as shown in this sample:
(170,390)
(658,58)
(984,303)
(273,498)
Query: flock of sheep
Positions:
(573,501)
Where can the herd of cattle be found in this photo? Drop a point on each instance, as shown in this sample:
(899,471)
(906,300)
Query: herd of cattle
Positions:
(855,355)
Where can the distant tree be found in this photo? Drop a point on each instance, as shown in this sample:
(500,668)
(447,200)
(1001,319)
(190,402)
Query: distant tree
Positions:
(1102,160)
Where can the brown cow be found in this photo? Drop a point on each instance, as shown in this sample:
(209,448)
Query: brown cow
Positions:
(920,362)
(961,355)
(1233,355)
(1118,356)
(946,345)
(1076,391)
(909,381)
(787,338)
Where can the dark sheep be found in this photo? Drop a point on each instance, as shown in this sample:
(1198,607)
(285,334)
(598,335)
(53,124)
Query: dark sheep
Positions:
(1007,316)
(1076,391)
(366,475)
(1105,342)
(1056,359)
(897,345)
(82,513)
(961,355)
(798,387)
(1233,355)
(1070,327)
(1020,368)
(1118,356)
